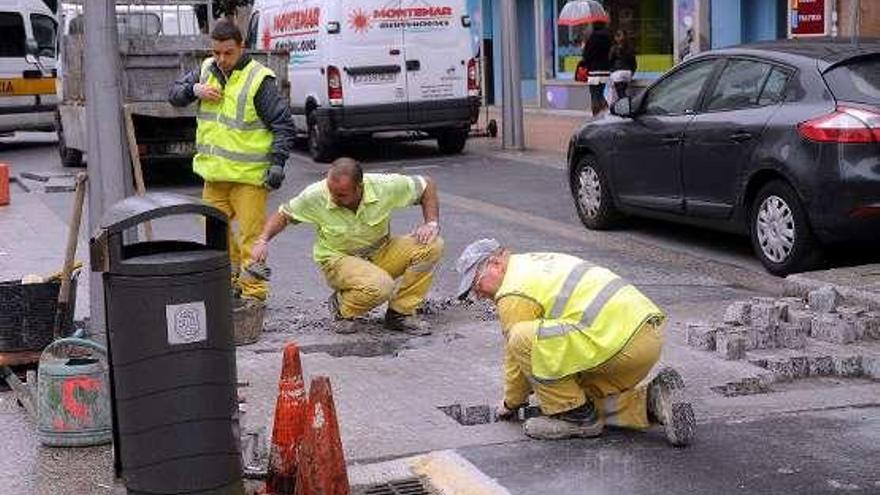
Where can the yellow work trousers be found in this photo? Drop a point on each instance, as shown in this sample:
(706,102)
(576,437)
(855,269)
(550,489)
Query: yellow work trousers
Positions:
(363,284)
(615,387)
(245,205)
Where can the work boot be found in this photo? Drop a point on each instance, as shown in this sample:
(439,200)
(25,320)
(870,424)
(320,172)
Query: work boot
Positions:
(340,325)
(581,422)
(667,406)
(399,322)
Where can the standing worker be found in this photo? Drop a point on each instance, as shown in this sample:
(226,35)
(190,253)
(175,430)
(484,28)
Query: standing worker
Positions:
(244,137)
(582,339)
(351,212)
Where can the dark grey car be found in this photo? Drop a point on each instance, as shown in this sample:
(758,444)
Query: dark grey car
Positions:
(777,140)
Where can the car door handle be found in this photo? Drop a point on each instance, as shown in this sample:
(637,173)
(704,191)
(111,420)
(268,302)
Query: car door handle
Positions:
(670,140)
(741,137)
(394,51)
(412,65)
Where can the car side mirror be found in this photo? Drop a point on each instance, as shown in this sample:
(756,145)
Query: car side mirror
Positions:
(622,107)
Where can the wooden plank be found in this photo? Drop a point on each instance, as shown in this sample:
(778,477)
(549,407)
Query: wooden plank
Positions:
(19,358)
(136,164)
(22,391)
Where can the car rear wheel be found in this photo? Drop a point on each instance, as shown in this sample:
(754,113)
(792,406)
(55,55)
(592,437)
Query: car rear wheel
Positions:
(452,142)
(592,197)
(781,235)
(320,141)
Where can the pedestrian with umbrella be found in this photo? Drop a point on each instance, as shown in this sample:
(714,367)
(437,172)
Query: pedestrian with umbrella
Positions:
(595,58)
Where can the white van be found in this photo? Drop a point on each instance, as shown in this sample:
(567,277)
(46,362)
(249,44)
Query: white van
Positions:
(28,52)
(358,67)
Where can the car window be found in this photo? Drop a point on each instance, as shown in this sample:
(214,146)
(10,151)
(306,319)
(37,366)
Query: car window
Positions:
(857,81)
(739,85)
(774,88)
(11,35)
(43,27)
(679,92)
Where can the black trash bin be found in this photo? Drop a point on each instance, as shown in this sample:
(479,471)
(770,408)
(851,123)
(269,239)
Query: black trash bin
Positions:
(171,351)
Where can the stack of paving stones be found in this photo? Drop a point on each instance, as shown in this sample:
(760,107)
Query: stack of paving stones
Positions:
(768,323)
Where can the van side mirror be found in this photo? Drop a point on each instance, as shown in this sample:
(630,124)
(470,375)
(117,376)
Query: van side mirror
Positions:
(622,107)
(31,50)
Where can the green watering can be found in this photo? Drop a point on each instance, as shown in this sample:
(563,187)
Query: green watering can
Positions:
(73,394)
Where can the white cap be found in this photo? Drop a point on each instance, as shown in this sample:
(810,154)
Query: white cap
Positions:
(476,253)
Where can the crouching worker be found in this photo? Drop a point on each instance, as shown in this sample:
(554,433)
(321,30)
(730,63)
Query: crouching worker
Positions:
(363,264)
(582,339)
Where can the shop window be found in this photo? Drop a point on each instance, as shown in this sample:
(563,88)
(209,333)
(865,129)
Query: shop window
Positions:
(648,23)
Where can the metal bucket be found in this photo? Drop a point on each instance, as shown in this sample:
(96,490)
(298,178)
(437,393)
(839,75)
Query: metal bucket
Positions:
(73,394)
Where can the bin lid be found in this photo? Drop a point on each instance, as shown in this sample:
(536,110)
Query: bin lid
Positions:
(110,253)
(135,210)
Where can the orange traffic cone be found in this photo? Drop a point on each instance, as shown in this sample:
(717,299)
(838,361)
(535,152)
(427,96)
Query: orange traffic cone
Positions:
(4,184)
(287,432)
(322,462)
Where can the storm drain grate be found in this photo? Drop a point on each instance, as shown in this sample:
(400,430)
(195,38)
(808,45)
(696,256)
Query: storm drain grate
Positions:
(412,486)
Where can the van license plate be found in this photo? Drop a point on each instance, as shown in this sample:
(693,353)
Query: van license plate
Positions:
(374,78)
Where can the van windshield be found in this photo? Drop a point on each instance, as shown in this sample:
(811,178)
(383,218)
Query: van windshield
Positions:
(11,35)
(44,27)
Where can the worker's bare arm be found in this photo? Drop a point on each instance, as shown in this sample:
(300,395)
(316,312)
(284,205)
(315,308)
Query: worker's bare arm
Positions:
(274,226)
(430,202)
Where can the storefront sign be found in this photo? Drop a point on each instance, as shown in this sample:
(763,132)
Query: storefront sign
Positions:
(808,17)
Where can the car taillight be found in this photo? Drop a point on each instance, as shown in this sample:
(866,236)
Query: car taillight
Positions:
(473,78)
(844,125)
(334,85)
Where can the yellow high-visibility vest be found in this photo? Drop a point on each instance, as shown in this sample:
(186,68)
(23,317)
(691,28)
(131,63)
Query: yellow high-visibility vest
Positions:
(232,143)
(589,313)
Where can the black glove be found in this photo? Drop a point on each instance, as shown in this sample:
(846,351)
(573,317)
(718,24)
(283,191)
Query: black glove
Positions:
(274,177)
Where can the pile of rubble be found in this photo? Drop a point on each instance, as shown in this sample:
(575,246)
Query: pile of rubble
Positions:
(768,323)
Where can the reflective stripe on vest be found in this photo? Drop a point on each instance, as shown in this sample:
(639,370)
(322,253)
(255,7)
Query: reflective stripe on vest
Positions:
(232,143)
(589,313)
(232,155)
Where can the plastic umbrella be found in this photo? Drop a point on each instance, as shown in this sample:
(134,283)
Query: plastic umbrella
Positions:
(579,12)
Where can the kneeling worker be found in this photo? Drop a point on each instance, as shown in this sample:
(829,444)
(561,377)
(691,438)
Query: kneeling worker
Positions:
(351,212)
(580,337)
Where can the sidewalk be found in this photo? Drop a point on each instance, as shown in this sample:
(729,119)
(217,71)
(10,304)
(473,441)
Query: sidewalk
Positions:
(33,242)
(545,130)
